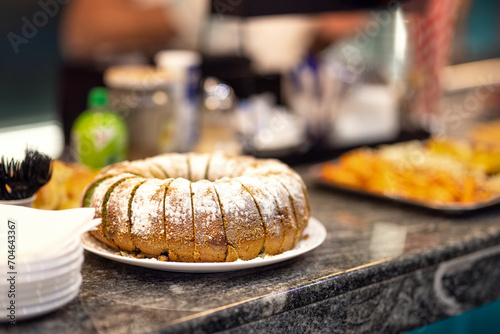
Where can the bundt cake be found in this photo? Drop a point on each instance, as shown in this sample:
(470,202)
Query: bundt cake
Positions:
(199,207)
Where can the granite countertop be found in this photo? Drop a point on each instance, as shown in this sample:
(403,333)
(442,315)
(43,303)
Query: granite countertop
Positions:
(384,267)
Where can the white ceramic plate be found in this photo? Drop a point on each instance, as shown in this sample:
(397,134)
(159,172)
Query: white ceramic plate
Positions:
(43,290)
(34,266)
(56,265)
(58,300)
(73,247)
(34,300)
(39,291)
(50,274)
(315,231)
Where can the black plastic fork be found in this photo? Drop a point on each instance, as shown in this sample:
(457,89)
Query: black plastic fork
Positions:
(22,179)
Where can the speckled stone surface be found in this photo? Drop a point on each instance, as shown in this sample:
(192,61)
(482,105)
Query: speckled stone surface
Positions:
(384,267)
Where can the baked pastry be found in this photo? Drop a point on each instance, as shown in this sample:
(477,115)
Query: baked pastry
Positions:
(65,187)
(199,207)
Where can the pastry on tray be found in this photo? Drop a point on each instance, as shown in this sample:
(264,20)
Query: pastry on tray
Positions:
(424,171)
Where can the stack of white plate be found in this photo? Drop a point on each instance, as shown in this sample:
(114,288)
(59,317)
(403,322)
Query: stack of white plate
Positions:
(41,270)
(42,285)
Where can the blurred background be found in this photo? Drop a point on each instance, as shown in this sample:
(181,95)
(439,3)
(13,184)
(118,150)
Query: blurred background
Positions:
(298,80)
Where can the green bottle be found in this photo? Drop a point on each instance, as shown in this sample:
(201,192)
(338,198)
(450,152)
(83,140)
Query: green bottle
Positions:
(99,136)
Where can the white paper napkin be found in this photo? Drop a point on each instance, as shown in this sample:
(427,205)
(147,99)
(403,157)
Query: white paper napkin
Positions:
(40,234)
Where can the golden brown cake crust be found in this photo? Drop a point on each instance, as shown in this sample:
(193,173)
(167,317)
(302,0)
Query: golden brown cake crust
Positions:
(179,226)
(242,221)
(269,212)
(210,236)
(147,228)
(118,222)
(99,198)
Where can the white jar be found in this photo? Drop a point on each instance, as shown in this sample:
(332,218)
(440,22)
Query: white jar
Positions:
(183,67)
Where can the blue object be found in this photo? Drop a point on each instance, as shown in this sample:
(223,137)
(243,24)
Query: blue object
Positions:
(483,319)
